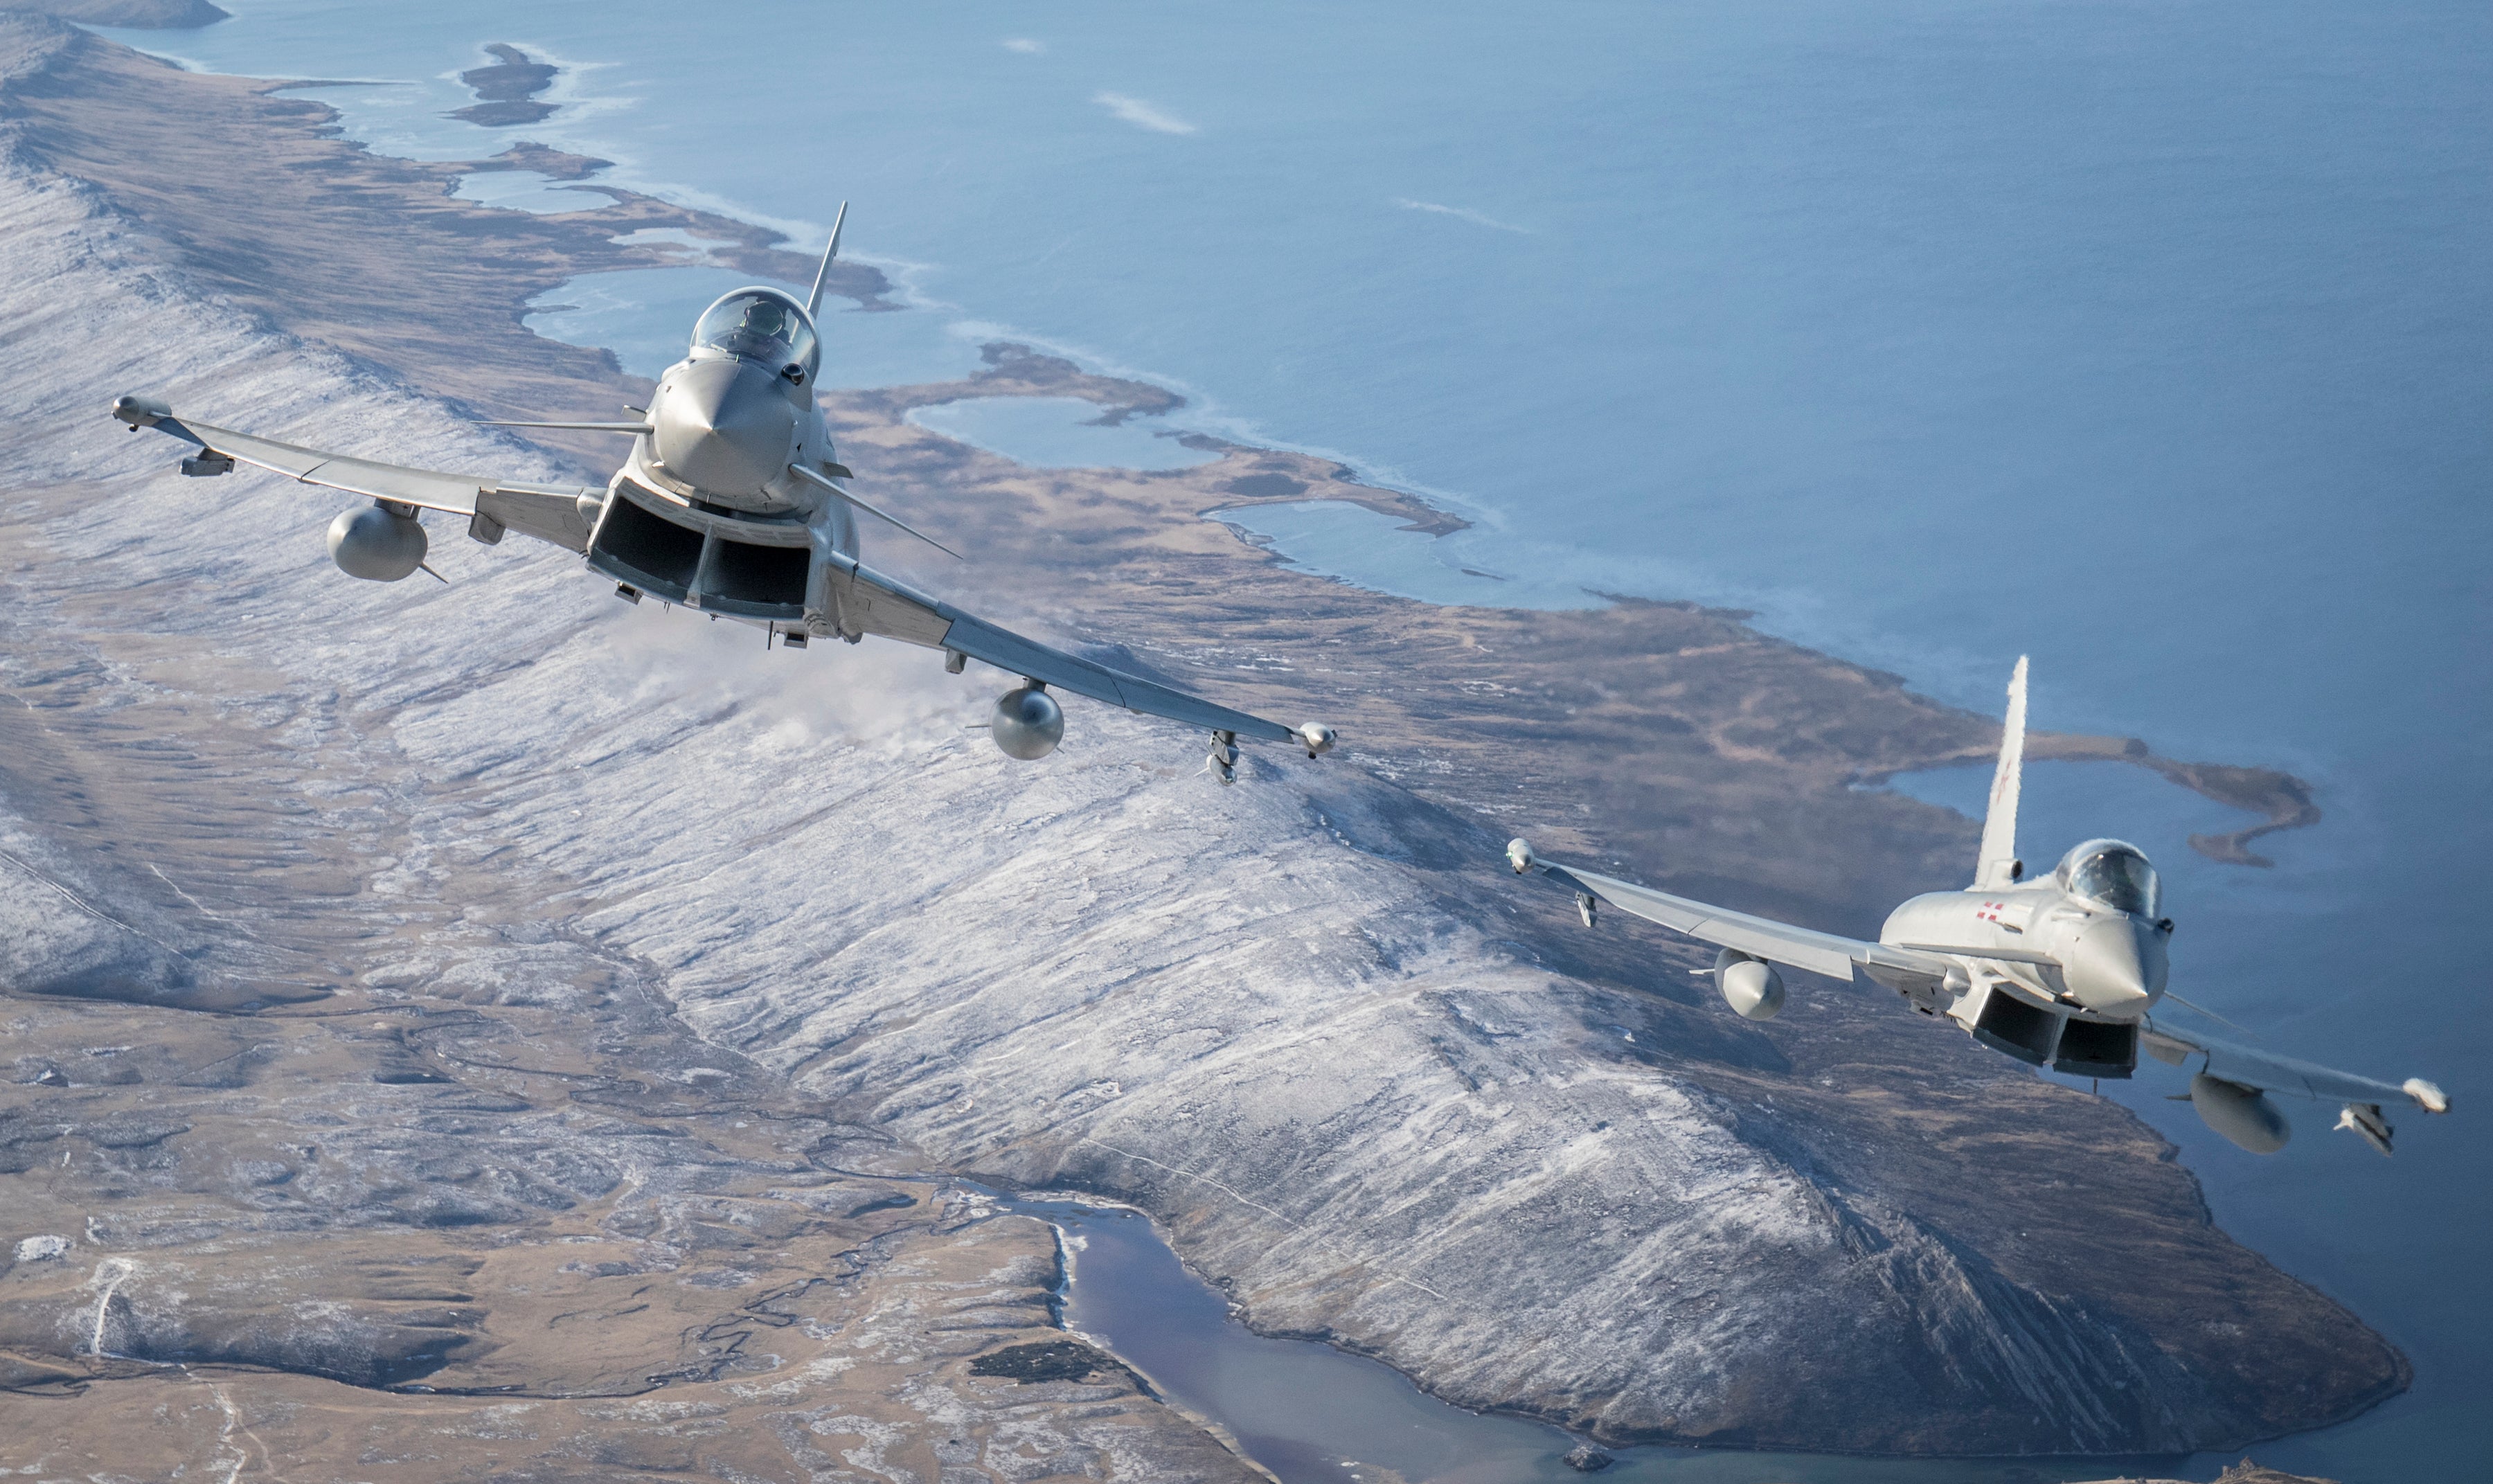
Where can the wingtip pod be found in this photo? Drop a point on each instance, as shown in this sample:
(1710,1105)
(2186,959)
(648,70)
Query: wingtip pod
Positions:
(2428,1096)
(1519,855)
(1317,738)
(139,411)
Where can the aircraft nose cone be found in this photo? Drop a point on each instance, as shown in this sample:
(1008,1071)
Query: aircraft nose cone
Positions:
(2116,967)
(724,426)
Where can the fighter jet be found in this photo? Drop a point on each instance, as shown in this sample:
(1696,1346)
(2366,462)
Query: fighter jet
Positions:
(2061,972)
(733,503)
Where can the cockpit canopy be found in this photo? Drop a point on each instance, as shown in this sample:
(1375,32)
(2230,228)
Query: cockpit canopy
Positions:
(2113,874)
(759,324)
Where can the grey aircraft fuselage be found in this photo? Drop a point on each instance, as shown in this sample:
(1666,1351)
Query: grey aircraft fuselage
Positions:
(727,431)
(2083,942)
(737,453)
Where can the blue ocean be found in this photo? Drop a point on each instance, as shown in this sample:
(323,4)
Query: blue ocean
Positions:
(2152,339)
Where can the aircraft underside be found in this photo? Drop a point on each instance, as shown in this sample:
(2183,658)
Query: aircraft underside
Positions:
(2022,1026)
(760,570)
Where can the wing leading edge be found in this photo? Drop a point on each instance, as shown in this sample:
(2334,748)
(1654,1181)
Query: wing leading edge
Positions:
(873,603)
(2230,1084)
(549,512)
(868,602)
(2248,1067)
(1800,947)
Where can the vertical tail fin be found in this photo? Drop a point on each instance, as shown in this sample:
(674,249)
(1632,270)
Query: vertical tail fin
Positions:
(1999,865)
(822,275)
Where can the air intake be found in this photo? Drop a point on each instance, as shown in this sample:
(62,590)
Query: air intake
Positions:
(635,545)
(2009,1024)
(2096,1048)
(757,582)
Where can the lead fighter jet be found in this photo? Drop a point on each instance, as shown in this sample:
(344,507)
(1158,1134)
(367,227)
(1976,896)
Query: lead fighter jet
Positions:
(731,503)
(2062,971)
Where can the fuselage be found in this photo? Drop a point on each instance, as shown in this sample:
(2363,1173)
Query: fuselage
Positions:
(2085,944)
(709,511)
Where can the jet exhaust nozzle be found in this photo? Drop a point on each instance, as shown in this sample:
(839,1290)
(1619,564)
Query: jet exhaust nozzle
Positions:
(2242,1114)
(1749,986)
(1028,723)
(377,544)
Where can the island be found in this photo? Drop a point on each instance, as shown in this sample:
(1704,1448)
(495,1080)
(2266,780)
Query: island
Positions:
(506,89)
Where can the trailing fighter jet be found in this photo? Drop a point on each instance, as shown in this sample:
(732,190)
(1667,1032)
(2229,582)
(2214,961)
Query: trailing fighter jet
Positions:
(2062,971)
(732,502)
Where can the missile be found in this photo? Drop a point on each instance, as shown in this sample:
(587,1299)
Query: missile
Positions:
(2364,1118)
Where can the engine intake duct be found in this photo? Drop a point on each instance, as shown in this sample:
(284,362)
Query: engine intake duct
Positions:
(757,582)
(636,545)
(2096,1048)
(2023,1031)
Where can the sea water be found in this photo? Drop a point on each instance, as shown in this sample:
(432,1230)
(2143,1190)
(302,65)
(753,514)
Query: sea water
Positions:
(1315,1415)
(2148,338)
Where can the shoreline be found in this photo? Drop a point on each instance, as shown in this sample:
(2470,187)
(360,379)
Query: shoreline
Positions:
(1280,475)
(1269,474)
(1796,725)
